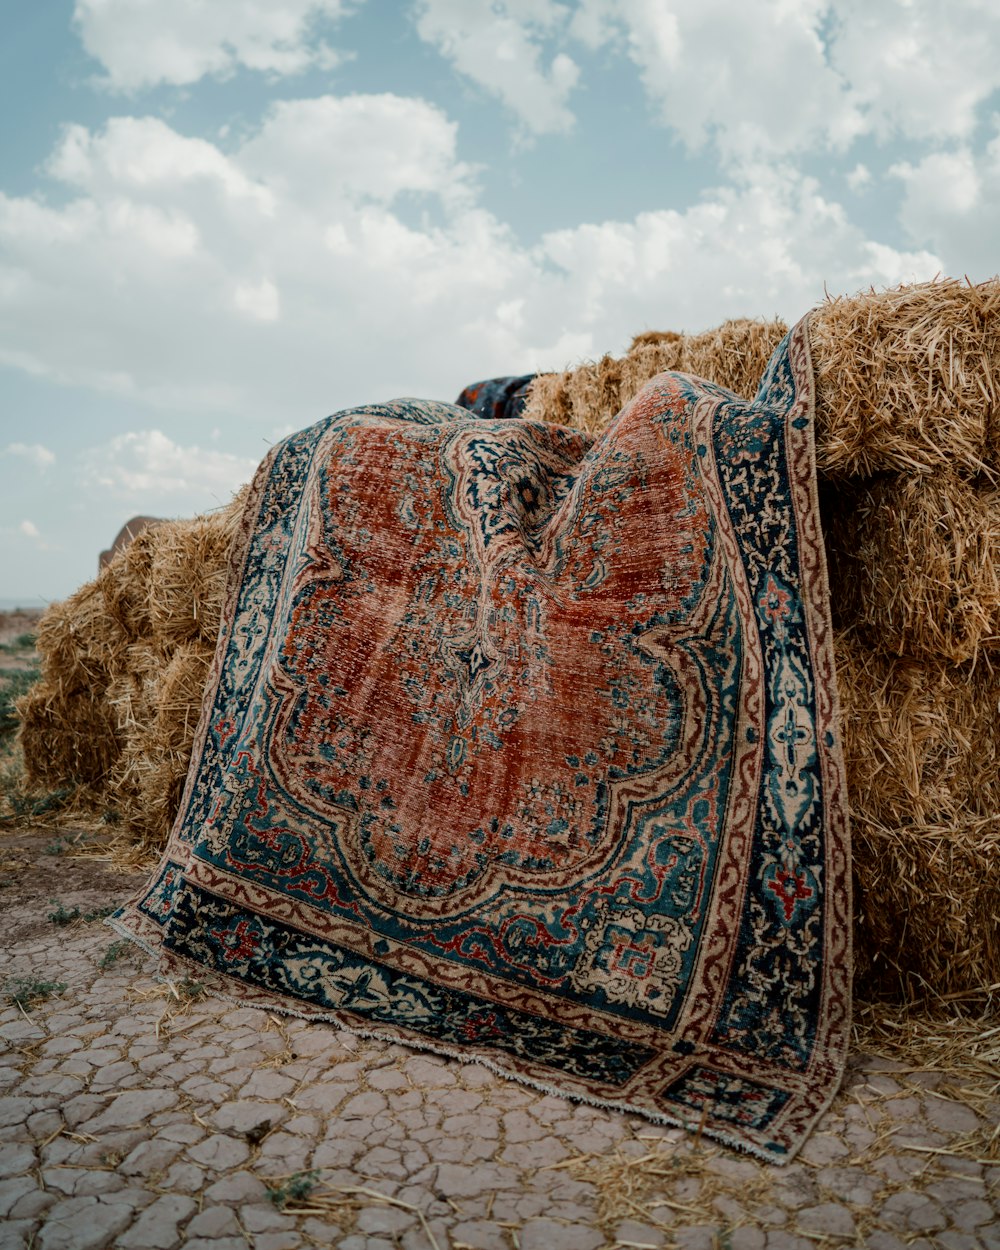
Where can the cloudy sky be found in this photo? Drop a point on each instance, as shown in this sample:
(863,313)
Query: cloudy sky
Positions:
(222,219)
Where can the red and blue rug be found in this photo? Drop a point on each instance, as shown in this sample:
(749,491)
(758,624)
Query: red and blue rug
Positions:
(523,747)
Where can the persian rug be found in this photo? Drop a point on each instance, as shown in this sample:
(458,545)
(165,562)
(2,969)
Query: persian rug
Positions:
(522,747)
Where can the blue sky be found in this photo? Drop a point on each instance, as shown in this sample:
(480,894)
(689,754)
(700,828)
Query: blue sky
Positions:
(222,219)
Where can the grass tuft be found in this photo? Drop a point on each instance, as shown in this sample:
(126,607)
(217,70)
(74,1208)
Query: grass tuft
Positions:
(298,1186)
(25,992)
(63,915)
(117,950)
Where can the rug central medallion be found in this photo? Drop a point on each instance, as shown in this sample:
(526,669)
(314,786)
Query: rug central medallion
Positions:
(506,582)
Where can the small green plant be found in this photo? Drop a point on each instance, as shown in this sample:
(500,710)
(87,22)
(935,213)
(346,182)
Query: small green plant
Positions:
(25,992)
(23,805)
(63,915)
(298,1186)
(41,805)
(191,989)
(100,913)
(59,846)
(19,803)
(52,801)
(117,950)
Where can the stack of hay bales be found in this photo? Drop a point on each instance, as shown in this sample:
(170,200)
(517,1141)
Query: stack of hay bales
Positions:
(734,356)
(908,453)
(123,665)
(908,456)
(908,418)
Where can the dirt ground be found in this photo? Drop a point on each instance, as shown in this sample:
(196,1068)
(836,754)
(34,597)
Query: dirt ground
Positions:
(20,621)
(15,626)
(148,1116)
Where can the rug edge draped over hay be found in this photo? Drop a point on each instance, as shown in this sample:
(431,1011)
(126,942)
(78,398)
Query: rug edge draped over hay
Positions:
(186,869)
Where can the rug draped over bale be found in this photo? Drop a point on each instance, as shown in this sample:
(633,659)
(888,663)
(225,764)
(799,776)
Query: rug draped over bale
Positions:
(521,746)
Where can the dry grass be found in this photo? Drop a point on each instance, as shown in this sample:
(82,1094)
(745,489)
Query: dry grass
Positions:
(304,1194)
(188,580)
(922,752)
(123,666)
(180,997)
(920,739)
(688,1183)
(961,1044)
(67,739)
(908,380)
(588,397)
(915,564)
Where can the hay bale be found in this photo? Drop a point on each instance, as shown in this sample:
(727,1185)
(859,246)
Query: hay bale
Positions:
(922,753)
(921,740)
(914,564)
(66,739)
(179,695)
(123,666)
(188,580)
(734,356)
(907,380)
(139,835)
(79,643)
(126,583)
(132,694)
(158,733)
(927,909)
(68,734)
(125,536)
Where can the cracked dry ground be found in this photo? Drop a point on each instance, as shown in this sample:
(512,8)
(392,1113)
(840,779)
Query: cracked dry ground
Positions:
(137,1115)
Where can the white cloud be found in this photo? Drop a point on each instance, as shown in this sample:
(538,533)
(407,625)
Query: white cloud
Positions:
(764,245)
(142,43)
(357,148)
(29,531)
(774,77)
(146,464)
(293,286)
(749,76)
(144,156)
(498,44)
(859,177)
(919,68)
(950,203)
(41,457)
